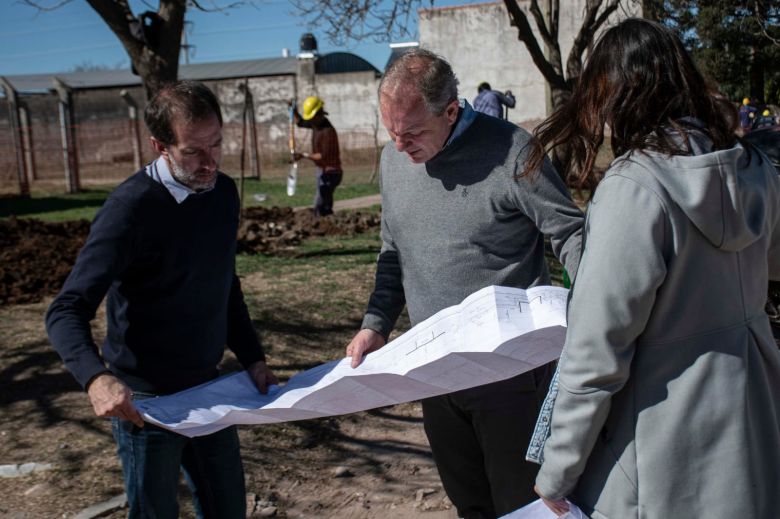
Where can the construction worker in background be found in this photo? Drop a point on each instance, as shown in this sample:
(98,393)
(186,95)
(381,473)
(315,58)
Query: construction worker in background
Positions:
(765,120)
(747,114)
(324,152)
(492,102)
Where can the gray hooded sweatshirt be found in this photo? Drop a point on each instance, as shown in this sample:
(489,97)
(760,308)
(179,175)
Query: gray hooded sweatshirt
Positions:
(669,391)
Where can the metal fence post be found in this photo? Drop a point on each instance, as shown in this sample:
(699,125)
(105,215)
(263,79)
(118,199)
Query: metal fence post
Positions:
(13,115)
(255,156)
(68,133)
(27,141)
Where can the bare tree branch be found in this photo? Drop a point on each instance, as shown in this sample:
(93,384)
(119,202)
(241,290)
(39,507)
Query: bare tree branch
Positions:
(356,20)
(592,22)
(118,16)
(197,4)
(555,17)
(44,8)
(765,18)
(541,24)
(526,35)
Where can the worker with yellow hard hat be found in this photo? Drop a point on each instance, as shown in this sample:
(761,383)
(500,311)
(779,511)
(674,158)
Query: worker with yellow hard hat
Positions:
(765,120)
(324,151)
(311,107)
(747,115)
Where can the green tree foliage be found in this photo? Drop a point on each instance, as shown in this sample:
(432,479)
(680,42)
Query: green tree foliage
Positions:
(736,43)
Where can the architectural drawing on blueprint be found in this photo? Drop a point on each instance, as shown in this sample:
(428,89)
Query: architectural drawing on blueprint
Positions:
(494,334)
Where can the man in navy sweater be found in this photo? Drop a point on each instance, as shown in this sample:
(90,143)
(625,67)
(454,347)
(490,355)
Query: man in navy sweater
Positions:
(162,250)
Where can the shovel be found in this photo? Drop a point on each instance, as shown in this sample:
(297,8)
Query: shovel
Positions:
(292,174)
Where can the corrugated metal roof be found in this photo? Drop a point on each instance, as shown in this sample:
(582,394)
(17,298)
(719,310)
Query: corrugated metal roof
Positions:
(340,62)
(41,83)
(236,69)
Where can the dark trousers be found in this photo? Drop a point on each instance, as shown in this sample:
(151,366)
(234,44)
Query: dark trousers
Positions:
(326,185)
(152,459)
(479,437)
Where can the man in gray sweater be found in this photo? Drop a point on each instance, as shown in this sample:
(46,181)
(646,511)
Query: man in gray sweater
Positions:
(456,217)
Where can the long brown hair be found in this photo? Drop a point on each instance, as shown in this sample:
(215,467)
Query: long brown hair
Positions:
(641,82)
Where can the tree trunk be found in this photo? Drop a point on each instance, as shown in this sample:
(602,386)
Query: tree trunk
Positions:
(756,75)
(651,10)
(561,156)
(560,96)
(152,41)
(154,71)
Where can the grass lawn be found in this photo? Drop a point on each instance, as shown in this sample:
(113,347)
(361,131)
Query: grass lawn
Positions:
(332,253)
(54,206)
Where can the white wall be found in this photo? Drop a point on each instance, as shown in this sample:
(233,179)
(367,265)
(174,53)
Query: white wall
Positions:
(351,102)
(481,45)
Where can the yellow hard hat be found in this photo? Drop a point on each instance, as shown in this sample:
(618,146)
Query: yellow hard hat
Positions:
(746,101)
(311,106)
(765,113)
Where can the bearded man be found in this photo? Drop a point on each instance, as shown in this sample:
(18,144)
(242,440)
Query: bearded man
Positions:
(162,249)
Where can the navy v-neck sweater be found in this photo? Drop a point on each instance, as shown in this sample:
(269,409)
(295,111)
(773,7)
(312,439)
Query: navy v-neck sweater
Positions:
(173,299)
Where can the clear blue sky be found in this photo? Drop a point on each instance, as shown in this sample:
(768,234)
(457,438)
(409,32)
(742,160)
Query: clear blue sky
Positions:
(34,42)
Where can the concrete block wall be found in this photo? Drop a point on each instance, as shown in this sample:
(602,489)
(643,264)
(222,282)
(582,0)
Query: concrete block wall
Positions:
(481,45)
(352,106)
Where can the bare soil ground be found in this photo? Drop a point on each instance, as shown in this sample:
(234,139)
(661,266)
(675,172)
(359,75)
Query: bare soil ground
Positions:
(27,274)
(306,305)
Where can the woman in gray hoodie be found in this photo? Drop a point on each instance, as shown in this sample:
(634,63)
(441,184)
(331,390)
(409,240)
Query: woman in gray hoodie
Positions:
(668,397)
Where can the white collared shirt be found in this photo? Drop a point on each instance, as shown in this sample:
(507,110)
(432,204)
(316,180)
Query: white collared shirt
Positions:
(160,172)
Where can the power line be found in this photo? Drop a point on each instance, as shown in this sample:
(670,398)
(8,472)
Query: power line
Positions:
(50,29)
(247,29)
(58,51)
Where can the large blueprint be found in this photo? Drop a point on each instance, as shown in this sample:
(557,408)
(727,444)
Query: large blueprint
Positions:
(494,334)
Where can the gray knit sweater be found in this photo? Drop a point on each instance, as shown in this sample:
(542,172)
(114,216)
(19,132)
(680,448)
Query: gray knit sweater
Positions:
(464,220)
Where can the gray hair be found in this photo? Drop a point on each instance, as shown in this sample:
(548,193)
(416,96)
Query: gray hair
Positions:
(428,73)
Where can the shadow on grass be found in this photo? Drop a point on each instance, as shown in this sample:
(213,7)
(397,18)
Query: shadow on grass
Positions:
(383,412)
(36,375)
(272,322)
(17,206)
(34,372)
(326,434)
(337,252)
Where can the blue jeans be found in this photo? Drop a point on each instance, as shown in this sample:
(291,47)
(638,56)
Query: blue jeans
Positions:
(326,185)
(152,458)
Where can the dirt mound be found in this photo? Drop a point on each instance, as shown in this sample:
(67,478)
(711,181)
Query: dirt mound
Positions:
(36,256)
(278,230)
